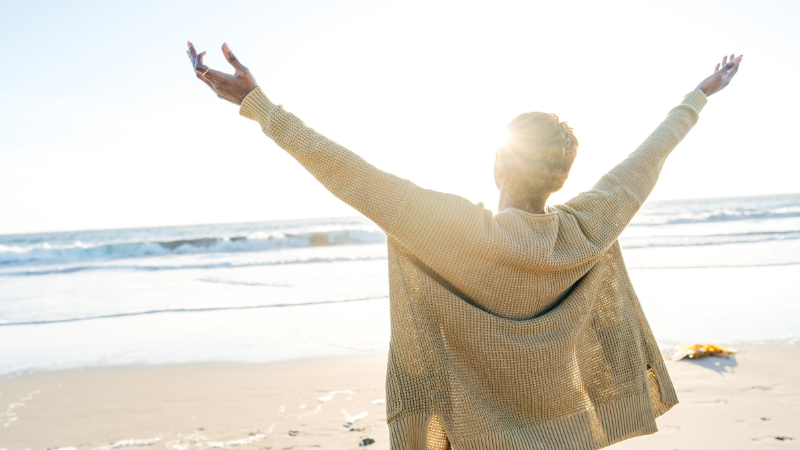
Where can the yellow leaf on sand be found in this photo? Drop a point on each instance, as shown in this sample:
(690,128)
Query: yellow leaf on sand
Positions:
(695,351)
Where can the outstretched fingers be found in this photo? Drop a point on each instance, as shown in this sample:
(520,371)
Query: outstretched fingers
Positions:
(198,62)
(732,72)
(232,59)
(191,52)
(728,65)
(233,88)
(723,73)
(733,63)
(729,76)
(197,59)
(199,67)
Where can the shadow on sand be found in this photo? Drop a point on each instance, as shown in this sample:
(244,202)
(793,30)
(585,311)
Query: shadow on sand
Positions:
(719,365)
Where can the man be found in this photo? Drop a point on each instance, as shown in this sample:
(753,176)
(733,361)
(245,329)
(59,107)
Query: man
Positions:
(512,330)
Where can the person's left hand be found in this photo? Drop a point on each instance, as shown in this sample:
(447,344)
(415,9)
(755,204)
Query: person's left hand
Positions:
(721,77)
(233,88)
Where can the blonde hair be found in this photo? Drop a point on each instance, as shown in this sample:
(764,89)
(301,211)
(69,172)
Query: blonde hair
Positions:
(536,159)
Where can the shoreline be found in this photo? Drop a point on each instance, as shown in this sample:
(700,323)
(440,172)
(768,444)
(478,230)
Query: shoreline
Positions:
(728,307)
(751,398)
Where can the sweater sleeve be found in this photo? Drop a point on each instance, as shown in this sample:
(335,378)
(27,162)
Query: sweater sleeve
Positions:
(604,211)
(376,194)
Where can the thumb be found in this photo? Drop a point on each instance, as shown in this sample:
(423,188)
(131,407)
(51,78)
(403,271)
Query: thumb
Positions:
(232,59)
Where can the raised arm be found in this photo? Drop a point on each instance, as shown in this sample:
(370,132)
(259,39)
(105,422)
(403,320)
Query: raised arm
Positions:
(619,194)
(375,193)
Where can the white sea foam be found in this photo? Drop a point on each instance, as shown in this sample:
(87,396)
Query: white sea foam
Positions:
(10,416)
(134,443)
(236,442)
(331,394)
(348,419)
(195,440)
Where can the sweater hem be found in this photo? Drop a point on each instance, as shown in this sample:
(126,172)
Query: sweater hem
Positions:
(593,429)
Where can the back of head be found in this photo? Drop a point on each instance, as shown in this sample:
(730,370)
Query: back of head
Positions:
(536,159)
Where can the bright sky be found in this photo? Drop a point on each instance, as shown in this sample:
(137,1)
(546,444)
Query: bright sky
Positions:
(103,124)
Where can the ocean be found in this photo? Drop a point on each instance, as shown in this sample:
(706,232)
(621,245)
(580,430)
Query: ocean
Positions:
(719,270)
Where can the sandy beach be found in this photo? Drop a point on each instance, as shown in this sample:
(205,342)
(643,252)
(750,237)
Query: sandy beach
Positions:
(751,400)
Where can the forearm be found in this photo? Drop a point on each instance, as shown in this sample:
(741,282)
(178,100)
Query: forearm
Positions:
(638,173)
(373,192)
(618,195)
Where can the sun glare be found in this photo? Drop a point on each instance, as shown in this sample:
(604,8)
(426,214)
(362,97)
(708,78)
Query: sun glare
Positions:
(501,137)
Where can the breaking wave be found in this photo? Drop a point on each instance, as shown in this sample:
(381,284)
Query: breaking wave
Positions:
(78,251)
(711,239)
(718,215)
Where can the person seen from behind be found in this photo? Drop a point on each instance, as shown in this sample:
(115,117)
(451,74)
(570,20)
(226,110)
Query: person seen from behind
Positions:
(509,330)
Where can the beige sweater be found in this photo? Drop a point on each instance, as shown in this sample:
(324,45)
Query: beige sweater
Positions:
(510,330)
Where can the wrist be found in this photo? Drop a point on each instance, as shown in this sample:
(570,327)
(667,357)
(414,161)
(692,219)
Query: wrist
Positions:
(256,106)
(706,89)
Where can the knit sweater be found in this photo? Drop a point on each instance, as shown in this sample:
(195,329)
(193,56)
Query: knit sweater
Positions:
(509,330)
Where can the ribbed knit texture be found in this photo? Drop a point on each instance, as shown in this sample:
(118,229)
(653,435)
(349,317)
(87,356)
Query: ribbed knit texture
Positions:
(510,330)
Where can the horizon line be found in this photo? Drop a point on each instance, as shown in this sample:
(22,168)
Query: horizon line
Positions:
(67,230)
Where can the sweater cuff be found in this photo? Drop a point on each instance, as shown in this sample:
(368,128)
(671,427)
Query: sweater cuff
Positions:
(256,106)
(695,100)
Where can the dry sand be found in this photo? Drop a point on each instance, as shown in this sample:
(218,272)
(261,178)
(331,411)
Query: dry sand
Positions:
(751,400)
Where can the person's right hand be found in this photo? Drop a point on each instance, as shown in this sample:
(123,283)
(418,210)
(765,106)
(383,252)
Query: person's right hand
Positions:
(233,88)
(721,77)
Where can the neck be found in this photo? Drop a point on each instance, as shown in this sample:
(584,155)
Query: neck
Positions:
(507,202)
